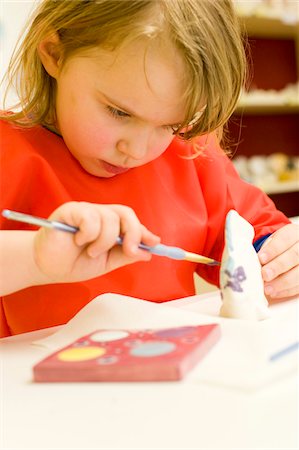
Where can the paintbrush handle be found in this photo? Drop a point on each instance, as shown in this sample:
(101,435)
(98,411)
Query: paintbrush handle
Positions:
(175,253)
(159,249)
(38,221)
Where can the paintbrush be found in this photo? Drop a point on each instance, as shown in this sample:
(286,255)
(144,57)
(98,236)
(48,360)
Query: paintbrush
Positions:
(159,250)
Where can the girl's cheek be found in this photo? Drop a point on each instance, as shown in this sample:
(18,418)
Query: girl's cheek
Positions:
(159,147)
(106,138)
(101,142)
(98,137)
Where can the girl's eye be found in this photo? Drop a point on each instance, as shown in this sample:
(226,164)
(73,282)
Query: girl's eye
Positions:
(117,112)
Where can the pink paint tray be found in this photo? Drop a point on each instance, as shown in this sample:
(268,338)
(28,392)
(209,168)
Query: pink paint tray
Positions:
(129,355)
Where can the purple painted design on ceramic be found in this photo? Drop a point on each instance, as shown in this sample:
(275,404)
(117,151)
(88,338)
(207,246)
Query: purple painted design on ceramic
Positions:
(236,278)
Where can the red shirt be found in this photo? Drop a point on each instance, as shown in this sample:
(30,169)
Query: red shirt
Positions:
(183,201)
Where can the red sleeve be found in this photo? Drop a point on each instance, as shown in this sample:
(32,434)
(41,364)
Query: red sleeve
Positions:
(27,179)
(16,175)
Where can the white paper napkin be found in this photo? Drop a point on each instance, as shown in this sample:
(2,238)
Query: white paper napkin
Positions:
(242,357)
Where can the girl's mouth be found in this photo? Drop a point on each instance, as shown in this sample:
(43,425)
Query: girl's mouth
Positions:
(116,170)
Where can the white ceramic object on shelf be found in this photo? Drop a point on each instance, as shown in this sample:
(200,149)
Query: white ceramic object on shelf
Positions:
(241,283)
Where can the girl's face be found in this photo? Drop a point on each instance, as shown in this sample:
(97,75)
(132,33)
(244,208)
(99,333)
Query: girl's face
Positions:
(117,110)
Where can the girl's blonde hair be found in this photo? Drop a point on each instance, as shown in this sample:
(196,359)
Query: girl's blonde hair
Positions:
(206,34)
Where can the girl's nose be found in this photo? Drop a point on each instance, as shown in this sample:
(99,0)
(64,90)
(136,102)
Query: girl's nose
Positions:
(135,148)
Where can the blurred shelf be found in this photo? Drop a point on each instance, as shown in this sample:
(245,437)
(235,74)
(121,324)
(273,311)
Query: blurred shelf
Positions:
(267,109)
(281,188)
(269,119)
(260,26)
(294,219)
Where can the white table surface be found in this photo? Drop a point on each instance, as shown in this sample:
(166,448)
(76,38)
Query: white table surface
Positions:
(189,414)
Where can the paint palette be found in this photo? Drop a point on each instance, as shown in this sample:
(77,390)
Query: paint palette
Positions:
(130,355)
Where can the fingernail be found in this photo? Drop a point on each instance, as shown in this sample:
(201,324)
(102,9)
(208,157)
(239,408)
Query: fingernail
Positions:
(134,249)
(268,274)
(263,257)
(269,290)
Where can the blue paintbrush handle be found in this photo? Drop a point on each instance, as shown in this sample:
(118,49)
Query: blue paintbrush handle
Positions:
(161,250)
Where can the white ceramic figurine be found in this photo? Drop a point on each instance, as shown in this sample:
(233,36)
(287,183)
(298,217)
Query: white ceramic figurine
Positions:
(241,282)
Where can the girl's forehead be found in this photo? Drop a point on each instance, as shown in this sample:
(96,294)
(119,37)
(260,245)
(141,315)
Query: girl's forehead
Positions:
(144,58)
(147,75)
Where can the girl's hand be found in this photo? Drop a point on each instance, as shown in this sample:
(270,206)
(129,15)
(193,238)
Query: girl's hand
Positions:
(279,257)
(92,251)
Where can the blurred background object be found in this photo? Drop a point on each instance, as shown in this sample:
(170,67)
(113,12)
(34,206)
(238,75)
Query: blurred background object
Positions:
(284,10)
(264,129)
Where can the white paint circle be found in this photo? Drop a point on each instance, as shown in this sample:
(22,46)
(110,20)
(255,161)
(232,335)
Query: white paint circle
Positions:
(107,336)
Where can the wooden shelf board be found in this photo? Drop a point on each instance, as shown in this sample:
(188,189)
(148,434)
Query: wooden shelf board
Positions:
(267,109)
(281,188)
(268,27)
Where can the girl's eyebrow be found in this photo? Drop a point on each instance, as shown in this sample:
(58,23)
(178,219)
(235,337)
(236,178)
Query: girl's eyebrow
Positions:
(130,112)
(117,105)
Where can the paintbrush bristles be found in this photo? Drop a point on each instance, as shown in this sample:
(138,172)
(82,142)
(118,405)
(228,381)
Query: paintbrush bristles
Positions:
(193,257)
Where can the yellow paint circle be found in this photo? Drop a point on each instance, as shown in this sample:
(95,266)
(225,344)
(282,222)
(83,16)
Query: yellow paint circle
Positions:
(81,353)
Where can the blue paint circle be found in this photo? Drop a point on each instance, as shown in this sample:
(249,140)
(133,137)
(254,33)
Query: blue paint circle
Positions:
(153,348)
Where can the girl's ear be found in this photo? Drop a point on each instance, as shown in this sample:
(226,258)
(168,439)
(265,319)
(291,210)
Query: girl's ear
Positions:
(50,53)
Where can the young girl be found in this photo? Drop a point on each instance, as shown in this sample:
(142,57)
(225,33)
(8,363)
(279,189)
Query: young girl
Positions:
(122,105)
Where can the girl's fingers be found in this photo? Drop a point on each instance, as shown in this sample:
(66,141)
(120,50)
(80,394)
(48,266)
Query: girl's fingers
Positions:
(277,287)
(282,263)
(100,225)
(279,257)
(130,230)
(149,238)
(107,235)
(81,215)
(119,220)
(133,233)
(117,258)
(280,241)
(90,225)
